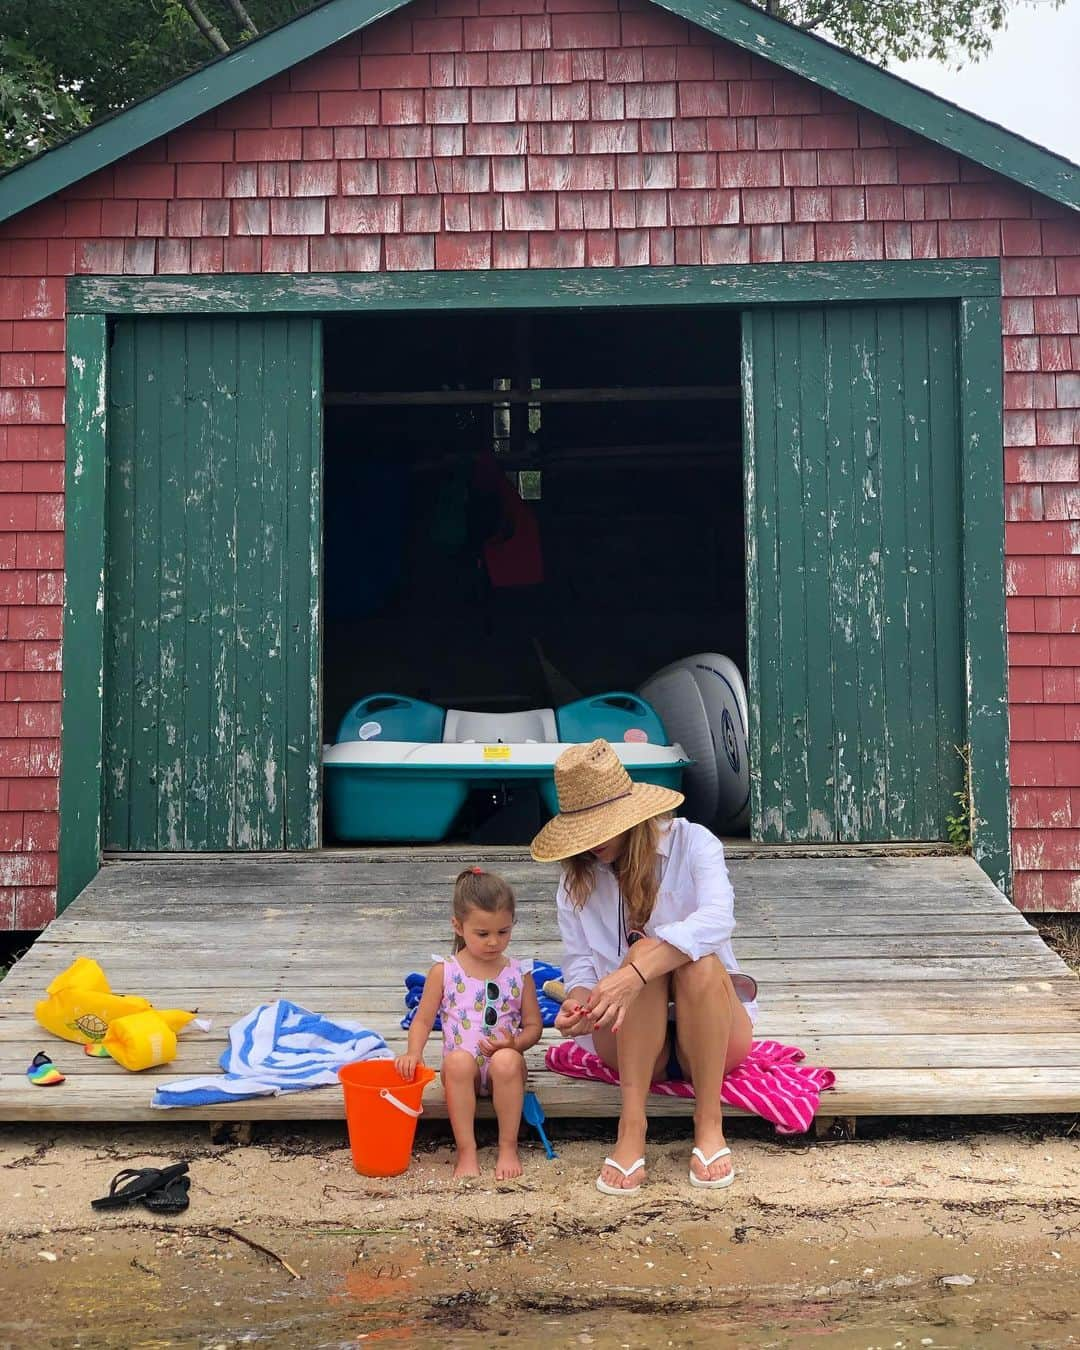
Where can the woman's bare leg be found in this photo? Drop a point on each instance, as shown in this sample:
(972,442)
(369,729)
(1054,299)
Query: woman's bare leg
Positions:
(461,1078)
(638,1053)
(713,1034)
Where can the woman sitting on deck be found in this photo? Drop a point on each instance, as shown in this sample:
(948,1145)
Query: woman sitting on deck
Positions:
(645,909)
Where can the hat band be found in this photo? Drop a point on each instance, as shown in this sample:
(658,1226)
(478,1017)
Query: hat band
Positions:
(579,810)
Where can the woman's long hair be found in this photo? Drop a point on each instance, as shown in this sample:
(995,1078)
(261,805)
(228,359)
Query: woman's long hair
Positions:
(635,870)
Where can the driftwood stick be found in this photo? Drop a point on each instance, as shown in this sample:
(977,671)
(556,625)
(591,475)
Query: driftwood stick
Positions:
(215,1230)
(211,1229)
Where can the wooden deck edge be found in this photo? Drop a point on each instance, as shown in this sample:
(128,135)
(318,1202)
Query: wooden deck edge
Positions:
(1065,1101)
(733,848)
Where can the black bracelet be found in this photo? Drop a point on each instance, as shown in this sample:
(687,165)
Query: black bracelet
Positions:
(634,968)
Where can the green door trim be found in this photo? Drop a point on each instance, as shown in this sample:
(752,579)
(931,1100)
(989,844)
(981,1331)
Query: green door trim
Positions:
(975,284)
(81,747)
(986,661)
(538,289)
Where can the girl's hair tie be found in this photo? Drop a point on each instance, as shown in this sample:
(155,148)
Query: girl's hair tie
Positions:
(477,871)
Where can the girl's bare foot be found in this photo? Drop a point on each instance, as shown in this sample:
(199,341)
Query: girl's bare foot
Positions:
(466,1165)
(629,1147)
(508,1163)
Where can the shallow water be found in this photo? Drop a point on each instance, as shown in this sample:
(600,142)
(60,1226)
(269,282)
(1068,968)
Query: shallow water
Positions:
(670,1286)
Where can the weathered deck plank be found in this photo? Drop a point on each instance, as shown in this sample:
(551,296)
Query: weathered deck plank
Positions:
(841,1051)
(912,977)
(964,1091)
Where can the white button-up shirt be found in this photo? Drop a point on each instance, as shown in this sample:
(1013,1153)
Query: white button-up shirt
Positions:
(694,910)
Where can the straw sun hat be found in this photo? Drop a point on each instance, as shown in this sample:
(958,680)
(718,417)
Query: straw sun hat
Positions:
(597,800)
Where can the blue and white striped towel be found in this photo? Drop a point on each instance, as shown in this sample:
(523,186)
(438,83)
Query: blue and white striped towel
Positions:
(280,1047)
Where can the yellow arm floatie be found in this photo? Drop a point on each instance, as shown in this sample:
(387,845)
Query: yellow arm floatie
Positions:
(80,1006)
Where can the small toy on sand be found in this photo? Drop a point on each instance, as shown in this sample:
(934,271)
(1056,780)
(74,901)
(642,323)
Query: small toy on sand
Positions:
(533,1114)
(43,1072)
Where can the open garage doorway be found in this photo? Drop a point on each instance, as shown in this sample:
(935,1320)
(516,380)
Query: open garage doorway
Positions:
(522,509)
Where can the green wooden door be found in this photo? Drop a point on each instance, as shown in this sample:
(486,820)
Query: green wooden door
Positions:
(854,571)
(212,585)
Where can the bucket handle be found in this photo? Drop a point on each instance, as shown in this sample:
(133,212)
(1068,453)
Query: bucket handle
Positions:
(388,1096)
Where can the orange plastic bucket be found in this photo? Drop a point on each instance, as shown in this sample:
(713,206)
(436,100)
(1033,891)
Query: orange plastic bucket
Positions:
(381,1111)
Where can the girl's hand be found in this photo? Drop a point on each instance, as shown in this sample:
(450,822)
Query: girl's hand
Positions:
(573,1020)
(612,997)
(406,1066)
(488,1045)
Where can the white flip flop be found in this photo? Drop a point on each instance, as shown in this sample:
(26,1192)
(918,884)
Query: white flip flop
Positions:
(720,1182)
(605,1189)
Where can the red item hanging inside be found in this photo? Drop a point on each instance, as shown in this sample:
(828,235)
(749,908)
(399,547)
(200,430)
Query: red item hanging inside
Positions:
(513,555)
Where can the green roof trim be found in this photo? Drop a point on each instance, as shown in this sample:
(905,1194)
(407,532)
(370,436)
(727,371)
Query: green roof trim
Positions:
(890,96)
(186,99)
(744,25)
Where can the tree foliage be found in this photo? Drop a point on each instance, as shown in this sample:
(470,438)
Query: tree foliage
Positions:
(902,30)
(64,63)
(35,111)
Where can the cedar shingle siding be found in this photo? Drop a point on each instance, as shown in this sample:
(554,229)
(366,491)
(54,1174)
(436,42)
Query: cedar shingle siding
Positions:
(565,134)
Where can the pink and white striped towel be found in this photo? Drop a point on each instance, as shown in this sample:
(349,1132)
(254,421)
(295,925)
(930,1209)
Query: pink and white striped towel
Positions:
(771,1082)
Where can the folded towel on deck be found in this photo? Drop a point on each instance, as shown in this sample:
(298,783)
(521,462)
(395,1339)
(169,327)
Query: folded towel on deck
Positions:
(770,1082)
(280,1047)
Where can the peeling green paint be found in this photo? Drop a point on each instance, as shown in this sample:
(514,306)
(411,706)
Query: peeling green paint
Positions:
(861,597)
(876,594)
(84,607)
(214,516)
(538,288)
(982,467)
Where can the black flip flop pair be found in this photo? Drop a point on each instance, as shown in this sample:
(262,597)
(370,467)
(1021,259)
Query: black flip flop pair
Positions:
(164,1190)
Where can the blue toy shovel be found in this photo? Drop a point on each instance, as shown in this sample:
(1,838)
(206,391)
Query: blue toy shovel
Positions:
(534,1116)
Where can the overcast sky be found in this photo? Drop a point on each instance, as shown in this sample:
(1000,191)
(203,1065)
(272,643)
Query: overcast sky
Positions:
(1030,83)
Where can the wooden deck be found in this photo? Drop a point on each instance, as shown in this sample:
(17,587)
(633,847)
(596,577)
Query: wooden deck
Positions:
(910,976)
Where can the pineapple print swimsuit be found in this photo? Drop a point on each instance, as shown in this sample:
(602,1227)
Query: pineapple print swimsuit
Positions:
(464,1004)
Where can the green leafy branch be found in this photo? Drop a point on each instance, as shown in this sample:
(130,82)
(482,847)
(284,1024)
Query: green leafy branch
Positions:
(958,822)
(36,110)
(902,30)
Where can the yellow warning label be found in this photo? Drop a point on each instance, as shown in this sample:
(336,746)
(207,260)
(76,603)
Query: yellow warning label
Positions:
(496,752)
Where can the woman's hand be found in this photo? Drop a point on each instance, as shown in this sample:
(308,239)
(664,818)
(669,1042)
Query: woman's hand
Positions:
(406,1066)
(608,1004)
(489,1045)
(572,1019)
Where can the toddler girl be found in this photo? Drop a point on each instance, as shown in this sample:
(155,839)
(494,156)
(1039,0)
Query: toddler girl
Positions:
(490,1017)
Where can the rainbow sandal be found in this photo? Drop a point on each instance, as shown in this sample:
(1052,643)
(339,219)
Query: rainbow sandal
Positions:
(605,1189)
(43,1072)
